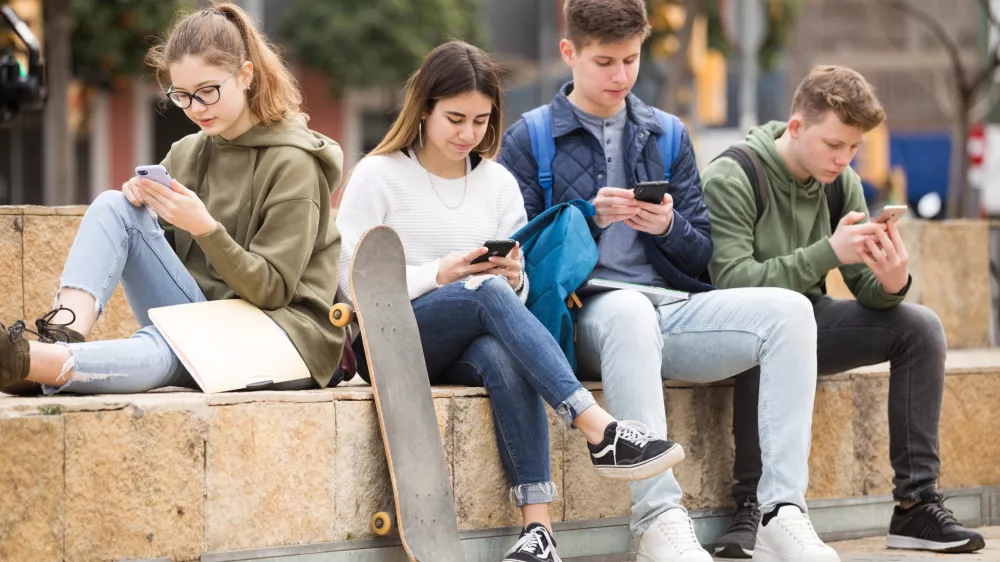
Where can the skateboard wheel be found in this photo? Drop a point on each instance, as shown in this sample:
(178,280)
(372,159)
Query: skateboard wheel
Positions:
(340,315)
(381,523)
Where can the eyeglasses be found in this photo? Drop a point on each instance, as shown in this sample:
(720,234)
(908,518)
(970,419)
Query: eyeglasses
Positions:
(206,96)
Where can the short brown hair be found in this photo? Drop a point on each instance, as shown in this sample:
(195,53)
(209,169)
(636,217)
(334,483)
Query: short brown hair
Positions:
(605,21)
(841,90)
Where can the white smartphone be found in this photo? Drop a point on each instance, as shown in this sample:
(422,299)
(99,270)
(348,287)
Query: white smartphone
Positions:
(891,213)
(154,172)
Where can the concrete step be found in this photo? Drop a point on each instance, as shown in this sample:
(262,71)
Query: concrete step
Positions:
(178,474)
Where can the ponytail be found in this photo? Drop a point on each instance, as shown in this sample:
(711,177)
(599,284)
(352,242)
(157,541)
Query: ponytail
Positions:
(224,35)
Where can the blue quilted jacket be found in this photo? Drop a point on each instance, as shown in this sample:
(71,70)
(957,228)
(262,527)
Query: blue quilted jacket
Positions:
(579,171)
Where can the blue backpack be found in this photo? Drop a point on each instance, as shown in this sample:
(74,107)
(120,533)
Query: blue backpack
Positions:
(543,144)
(559,253)
(558,247)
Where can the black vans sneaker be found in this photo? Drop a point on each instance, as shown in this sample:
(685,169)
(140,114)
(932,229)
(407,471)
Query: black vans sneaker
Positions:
(534,545)
(930,525)
(740,538)
(631,452)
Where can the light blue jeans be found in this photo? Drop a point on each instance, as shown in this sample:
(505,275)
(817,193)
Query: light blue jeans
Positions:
(120,242)
(632,346)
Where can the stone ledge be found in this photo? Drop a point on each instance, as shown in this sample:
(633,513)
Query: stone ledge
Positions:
(176,474)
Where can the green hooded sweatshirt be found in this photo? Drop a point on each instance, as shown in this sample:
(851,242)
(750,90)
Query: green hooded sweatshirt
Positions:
(790,246)
(274,244)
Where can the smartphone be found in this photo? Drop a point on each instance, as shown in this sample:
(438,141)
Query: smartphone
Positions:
(891,213)
(651,191)
(154,172)
(496,249)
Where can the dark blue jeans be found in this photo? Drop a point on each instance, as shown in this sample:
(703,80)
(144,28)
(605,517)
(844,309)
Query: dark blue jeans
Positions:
(486,337)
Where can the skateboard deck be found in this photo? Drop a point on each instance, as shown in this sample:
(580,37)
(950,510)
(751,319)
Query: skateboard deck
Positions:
(425,506)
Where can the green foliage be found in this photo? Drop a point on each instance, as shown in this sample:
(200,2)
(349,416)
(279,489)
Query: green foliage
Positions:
(363,43)
(111,37)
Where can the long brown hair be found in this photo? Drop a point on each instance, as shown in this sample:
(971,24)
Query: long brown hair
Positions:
(224,35)
(451,69)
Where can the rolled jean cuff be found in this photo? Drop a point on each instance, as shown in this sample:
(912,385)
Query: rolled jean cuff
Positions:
(532,494)
(914,493)
(580,400)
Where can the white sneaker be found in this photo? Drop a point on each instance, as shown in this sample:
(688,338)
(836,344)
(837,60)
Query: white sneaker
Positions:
(789,537)
(671,538)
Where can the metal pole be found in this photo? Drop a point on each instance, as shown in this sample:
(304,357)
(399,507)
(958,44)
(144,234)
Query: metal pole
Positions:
(749,14)
(60,170)
(546,41)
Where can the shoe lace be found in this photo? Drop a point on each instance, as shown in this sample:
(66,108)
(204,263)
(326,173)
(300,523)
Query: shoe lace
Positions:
(633,432)
(49,329)
(801,530)
(16,331)
(936,507)
(530,542)
(681,534)
(747,517)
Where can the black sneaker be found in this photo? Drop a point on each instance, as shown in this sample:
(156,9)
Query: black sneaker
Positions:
(534,545)
(930,525)
(631,452)
(741,536)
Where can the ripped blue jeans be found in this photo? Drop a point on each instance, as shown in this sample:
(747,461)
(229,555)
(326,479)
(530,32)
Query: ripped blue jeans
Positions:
(120,242)
(487,337)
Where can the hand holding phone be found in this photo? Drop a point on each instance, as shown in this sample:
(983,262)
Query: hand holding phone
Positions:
(891,213)
(651,191)
(154,172)
(494,249)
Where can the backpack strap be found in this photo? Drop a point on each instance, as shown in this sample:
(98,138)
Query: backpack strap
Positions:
(543,147)
(835,200)
(753,168)
(670,141)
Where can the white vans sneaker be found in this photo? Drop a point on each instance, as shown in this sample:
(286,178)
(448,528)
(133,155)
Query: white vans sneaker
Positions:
(789,537)
(671,538)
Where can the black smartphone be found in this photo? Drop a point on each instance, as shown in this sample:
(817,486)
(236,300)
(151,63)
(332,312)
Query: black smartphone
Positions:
(496,249)
(651,191)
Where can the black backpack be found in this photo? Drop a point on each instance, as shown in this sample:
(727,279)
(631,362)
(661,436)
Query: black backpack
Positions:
(751,165)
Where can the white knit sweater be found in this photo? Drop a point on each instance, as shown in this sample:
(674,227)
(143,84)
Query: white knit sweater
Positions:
(395,190)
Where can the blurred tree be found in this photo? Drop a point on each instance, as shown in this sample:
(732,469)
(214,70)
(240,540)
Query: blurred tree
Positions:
(672,23)
(110,38)
(781,18)
(975,94)
(375,42)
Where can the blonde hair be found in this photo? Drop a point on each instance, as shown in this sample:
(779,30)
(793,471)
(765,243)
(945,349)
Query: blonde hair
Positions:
(841,90)
(451,69)
(224,35)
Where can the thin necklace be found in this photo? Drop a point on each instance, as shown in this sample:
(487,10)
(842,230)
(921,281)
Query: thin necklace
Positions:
(430,178)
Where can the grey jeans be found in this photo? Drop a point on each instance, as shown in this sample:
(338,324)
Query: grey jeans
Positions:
(912,339)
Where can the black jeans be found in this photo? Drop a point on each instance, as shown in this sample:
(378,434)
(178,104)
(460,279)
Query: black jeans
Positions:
(912,339)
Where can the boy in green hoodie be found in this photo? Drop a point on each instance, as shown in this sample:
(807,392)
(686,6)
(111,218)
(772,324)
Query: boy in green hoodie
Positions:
(792,242)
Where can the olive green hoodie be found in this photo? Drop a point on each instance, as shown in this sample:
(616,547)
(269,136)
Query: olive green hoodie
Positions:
(790,246)
(274,244)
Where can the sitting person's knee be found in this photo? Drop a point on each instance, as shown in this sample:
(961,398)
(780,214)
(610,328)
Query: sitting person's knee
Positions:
(923,327)
(630,310)
(114,203)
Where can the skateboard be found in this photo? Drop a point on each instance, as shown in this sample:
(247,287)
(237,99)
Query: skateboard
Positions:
(425,506)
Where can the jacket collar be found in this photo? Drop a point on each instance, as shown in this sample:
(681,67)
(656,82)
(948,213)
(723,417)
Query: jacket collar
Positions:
(564,119)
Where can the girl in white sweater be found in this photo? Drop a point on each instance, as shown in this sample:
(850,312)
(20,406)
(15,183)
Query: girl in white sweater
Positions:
(432,180)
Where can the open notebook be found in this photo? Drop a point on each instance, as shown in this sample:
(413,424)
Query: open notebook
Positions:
(657,295)
(229,345)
